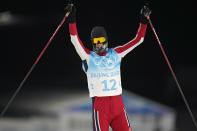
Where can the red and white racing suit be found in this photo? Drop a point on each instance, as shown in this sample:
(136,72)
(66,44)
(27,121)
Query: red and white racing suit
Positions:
(104,82)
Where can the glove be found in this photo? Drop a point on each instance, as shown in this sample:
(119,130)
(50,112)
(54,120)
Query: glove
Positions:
(72,16)
(144,13)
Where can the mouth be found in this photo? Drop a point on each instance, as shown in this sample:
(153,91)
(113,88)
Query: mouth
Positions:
(99,46)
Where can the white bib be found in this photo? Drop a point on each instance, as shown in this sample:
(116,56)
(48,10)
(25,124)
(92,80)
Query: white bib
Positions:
(103,74)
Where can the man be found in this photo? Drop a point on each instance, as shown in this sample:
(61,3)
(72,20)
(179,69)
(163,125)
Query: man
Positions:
(102,67)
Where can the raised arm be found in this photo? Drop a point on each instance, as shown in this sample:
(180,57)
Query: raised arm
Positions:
(81,50)
(126,48)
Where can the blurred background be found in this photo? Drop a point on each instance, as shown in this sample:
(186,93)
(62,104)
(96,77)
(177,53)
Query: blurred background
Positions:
(26,26)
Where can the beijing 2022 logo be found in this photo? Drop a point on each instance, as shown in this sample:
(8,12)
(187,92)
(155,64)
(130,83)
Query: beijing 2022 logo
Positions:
(107,62)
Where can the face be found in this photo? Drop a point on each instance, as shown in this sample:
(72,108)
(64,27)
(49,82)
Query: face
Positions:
(99,45)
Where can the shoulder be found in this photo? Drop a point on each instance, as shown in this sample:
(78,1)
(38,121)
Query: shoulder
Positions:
(111,50)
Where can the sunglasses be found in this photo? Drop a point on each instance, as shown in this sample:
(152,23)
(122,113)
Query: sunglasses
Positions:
(99,40)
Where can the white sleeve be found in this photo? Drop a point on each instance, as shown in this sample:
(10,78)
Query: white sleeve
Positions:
(80,48)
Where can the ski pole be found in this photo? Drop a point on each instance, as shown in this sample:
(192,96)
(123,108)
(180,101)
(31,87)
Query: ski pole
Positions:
(33,66)
(173,74)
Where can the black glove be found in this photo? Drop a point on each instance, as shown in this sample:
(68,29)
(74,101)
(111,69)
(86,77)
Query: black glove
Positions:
(72,16)
(144,13)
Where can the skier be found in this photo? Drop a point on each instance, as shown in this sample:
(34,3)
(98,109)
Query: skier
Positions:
(102,67)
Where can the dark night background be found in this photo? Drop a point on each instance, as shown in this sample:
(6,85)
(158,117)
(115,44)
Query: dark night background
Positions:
(144,70)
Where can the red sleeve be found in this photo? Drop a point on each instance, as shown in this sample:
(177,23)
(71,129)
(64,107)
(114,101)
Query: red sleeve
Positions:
(140,34)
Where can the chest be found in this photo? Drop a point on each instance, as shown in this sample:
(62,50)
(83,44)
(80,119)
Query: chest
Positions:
(105,63)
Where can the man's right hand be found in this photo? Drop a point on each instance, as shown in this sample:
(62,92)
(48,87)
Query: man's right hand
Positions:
(72,9)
